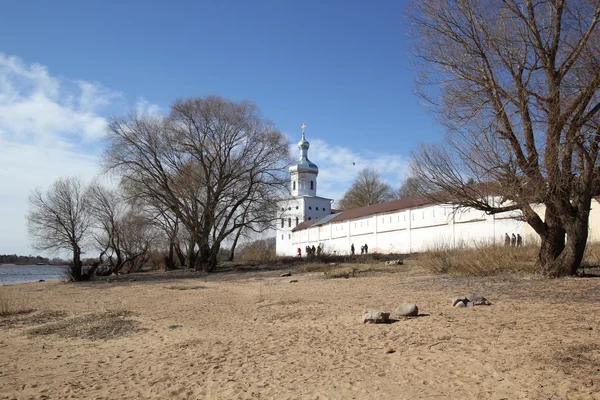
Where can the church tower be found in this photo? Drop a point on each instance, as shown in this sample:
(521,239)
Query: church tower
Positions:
(304,174)
(303,203)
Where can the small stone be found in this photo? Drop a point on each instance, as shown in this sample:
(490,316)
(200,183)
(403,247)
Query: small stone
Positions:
(390,351)
(476,299)
(407,310)
(457,300)
(460,304)
(286,274)
(375,317)
(394,262)
(294,281)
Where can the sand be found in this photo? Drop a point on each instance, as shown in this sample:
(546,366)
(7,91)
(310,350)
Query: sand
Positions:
(257,336)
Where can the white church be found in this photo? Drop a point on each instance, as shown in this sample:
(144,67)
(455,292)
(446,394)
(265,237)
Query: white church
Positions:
(400,226)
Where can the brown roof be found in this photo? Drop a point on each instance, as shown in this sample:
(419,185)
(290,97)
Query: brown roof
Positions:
(380,208)
(305,224)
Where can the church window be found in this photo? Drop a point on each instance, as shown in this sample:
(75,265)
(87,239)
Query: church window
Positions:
(317,208)
(312,185)
(294,185)
(309,218)
(391,218)
(281,237)
(289,222)
(282,209)
(290,236)
(282,222)
(296,207)
(296,221)
(289,208)
(309,207)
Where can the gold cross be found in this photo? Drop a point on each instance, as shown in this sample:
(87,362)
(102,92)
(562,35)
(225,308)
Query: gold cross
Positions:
(303,126)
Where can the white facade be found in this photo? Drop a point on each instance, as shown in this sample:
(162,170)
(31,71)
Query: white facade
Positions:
(303,204)
(410,230)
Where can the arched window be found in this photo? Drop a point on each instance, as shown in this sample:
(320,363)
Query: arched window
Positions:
(312,185)
(309,207)
(282,222)
(289,222)
(296,221)
(317,208)
(294,185)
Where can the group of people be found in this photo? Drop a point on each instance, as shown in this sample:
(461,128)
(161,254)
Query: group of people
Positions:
(363,249)
(513,241)
(310,251)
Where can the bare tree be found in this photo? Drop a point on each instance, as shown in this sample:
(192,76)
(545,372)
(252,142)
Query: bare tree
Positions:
(204,162)
(516,83)
(121,234)
(59,219)
(368,188)
(409,188)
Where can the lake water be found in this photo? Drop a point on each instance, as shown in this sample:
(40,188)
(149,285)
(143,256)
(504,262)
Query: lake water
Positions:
(11,274)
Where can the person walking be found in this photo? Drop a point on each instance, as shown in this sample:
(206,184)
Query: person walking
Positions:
(513,241)
(362,250)
(366,249)
(299,252)
(506,240)
(519,240)
(352,249)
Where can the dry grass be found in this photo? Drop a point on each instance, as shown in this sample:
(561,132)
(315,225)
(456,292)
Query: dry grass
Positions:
(96,326)
(33,318)
(11,305)
(480,260)
(349,270)
(186,287)
(577,359)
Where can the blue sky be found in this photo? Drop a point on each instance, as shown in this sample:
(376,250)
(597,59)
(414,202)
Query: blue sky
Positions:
(341,67)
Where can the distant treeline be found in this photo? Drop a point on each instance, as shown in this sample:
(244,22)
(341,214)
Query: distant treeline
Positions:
(28,260)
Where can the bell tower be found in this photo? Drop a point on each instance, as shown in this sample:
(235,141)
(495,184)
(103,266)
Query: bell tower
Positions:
(303,175)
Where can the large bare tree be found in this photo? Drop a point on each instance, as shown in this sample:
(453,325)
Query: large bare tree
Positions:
(516,83)
(205,162)
(368,188)
(60,219)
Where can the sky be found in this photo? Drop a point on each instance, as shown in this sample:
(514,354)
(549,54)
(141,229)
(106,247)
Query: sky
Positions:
(343,68)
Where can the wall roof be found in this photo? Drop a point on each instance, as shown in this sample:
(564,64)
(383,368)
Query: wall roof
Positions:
(355,213)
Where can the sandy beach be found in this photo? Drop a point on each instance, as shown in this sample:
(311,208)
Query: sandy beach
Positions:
(255,335)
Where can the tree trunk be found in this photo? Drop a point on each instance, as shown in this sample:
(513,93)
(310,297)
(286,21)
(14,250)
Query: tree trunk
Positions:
(75,272)
(232,251)
(180,255)
(170,259)
(203,257)
(553,244)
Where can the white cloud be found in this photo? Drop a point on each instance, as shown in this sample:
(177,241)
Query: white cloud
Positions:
(338,166)
(50,127)
(36,107)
